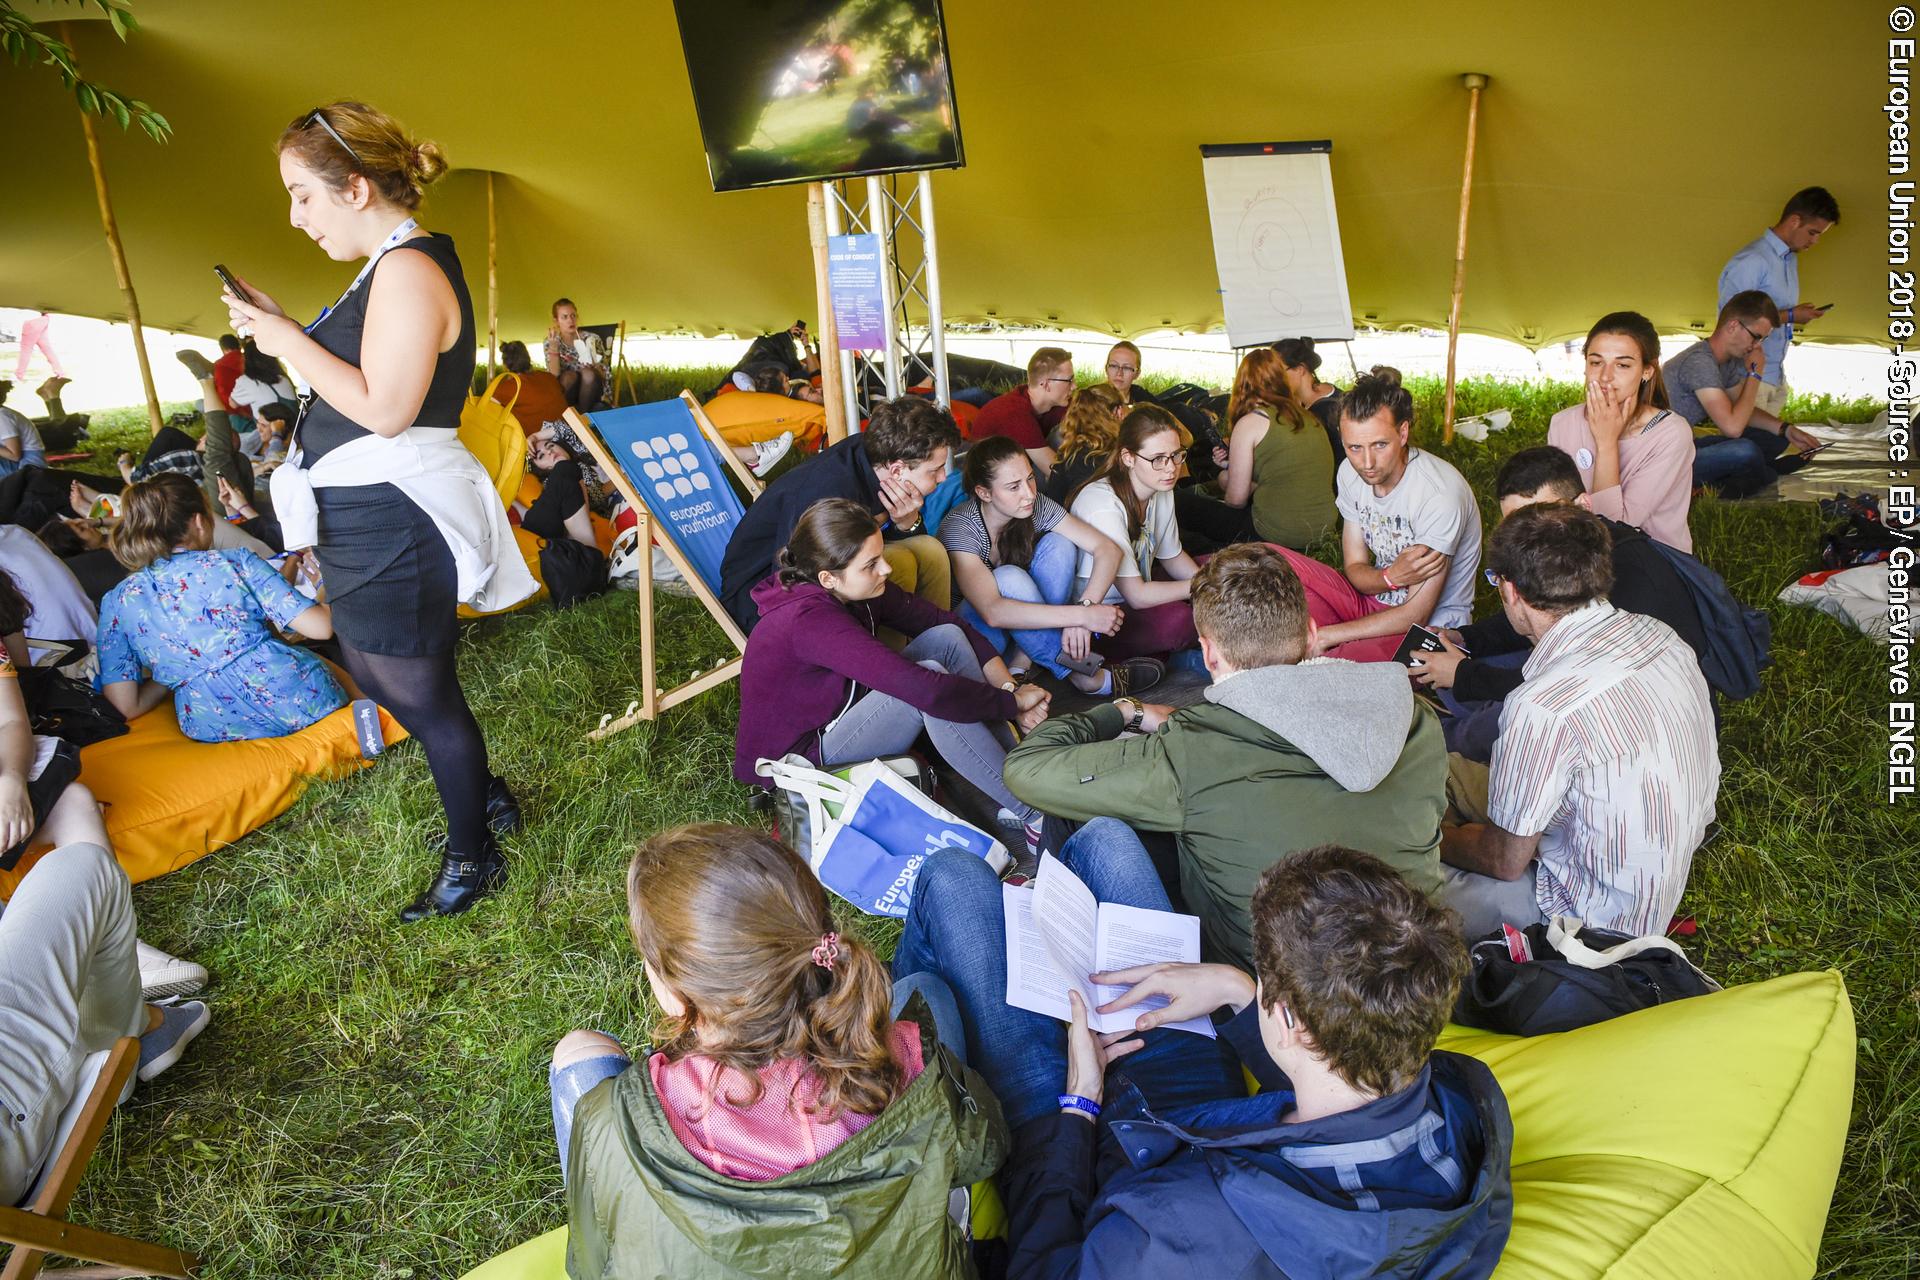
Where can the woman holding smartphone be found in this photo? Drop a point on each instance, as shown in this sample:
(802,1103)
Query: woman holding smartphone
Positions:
(404,521)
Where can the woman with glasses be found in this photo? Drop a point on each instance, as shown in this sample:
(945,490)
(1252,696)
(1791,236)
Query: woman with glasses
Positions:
(1278,465)
(405,523)
(1131,501)
(1123,368)
(1634,453)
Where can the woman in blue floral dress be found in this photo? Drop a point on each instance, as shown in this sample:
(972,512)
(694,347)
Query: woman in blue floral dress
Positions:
(195,622)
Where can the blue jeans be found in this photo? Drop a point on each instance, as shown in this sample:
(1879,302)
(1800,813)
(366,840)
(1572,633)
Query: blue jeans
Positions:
(956,931)
(570,1083)
(1048,579)
(31,458)
(1473,726)
(1737,466)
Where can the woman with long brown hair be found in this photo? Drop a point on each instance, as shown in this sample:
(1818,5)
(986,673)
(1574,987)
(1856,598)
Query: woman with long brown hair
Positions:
(1277,468)
(1131,501)
(405,523)
(729,1143)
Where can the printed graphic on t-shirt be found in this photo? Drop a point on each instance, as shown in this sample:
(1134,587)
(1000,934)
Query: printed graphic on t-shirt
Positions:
(1387,536)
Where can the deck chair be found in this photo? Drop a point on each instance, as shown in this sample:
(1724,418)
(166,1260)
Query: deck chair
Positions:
(40,1228)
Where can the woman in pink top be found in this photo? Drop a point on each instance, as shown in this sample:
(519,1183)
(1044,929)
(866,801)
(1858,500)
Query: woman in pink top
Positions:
(780,1041)
(1633,452)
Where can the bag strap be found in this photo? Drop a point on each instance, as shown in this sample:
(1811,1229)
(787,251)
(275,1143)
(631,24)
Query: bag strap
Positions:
(494,385)
(1564,936)
(815,787)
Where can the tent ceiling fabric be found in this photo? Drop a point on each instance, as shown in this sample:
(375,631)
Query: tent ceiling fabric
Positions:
(1618,166)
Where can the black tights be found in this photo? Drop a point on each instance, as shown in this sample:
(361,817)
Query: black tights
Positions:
(423,694)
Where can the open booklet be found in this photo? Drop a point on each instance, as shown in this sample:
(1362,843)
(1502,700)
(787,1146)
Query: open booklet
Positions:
(1058,935)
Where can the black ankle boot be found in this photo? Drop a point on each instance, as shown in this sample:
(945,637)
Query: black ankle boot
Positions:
(463,881)
(503,811)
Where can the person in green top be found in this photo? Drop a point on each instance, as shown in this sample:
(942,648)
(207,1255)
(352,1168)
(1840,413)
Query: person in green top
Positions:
(1285,754)
(1277,459)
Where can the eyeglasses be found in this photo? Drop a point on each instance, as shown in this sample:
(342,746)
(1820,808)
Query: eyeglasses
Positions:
(1749,328)
(1068,381)
(1493,579)
(1163,461)
(1123,368)
(317,118)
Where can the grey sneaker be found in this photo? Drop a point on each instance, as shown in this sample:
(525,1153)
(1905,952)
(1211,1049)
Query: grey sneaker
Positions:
(198,365)
(161,1047)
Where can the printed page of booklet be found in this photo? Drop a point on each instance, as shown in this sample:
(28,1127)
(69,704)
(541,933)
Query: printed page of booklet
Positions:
(1058,935)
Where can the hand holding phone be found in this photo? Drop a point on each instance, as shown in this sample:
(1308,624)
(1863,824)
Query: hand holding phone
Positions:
(236,290)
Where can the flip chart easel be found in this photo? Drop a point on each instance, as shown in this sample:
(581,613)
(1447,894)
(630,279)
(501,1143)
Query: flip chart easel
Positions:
(665,458)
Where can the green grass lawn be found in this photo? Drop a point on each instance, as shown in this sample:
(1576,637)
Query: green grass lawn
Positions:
(370,1101)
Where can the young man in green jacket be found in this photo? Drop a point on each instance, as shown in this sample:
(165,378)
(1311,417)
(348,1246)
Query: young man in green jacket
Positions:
(1284,755)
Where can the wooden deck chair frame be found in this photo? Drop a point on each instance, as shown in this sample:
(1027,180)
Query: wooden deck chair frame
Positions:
(653,699)
(42,1229)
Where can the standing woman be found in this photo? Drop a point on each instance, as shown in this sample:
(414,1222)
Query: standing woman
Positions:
(406,524)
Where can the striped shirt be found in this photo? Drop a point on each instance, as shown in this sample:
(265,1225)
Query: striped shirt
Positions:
(1608,752)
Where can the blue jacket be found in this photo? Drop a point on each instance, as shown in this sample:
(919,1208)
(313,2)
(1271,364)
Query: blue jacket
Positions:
(1415,1184)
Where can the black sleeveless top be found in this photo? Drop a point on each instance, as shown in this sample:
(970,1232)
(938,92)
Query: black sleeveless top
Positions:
(324,427)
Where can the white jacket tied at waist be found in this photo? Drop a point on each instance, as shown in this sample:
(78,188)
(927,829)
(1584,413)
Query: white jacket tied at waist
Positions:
(436,471)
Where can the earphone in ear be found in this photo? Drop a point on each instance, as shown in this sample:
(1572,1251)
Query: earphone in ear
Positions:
(1286,1016)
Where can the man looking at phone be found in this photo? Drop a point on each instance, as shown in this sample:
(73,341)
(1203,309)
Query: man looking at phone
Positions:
(1717,382)
(889,468)
(1771,264)
(1026,413)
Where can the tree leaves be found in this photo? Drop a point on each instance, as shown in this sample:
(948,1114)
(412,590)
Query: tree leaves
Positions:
(27,44)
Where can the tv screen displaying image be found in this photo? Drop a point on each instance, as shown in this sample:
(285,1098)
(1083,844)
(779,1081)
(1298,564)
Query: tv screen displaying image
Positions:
(812,90)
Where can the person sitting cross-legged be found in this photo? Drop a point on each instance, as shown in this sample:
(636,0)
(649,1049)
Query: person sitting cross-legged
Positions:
(1410,532)
(1138,1153)
(1028,412)
(798,1114)
(1285,753)
(1481,662)
(1603,777)
(1717,383)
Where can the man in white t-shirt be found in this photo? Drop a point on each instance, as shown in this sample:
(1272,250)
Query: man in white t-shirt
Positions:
(1410,533)
(20,444)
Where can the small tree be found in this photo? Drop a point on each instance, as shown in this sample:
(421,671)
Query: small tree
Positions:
(27,43)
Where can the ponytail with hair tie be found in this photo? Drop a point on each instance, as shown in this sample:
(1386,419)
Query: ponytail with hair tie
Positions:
(827,951)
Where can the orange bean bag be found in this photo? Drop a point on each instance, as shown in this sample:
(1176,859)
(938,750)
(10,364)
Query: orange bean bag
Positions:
(170,800)
(748,417)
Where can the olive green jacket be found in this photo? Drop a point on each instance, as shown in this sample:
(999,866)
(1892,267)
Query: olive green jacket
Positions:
(640,1205)
(1277,760)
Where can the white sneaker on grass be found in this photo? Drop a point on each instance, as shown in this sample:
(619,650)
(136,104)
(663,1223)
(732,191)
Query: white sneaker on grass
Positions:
(161,1047)
(162,975)
(767,453)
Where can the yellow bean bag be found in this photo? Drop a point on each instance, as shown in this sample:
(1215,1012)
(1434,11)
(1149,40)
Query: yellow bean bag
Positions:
(748,417)
(170,800)
(1695,1139)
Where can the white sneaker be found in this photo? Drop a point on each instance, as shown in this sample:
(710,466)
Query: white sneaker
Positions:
(767,453)
(162,975)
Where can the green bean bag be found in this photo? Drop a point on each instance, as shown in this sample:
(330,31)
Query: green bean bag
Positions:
(1695,1139)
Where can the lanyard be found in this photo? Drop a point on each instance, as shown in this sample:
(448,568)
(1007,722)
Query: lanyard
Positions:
(394,237)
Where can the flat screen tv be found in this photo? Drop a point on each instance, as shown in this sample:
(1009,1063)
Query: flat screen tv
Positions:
(812,90)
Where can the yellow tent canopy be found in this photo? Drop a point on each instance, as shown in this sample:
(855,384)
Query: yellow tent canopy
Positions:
(1622,158)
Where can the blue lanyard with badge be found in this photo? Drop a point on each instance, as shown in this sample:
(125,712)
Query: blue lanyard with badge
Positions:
(394,237)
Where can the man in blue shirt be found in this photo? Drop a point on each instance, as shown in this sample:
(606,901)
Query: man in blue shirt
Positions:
(1771,264)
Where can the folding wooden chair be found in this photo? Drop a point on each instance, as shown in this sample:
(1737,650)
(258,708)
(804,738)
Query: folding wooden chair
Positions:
(41,1228)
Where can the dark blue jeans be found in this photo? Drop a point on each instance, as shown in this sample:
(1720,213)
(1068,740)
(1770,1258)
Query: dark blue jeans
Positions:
(956,931)
(1737,466)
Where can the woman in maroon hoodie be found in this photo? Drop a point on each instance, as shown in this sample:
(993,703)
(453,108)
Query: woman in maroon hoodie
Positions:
(816,680)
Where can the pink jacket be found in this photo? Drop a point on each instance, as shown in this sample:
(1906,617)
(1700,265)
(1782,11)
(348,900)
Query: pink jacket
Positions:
(1656,474)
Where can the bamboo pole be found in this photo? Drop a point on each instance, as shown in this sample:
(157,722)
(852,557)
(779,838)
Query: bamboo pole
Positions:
(493,282)
(830,391)
(1475,82)
(119,255)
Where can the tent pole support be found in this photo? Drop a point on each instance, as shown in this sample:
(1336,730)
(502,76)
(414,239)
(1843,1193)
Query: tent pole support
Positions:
(830,391)
(1474,82)
(119,255)
(936,315)
(493,282)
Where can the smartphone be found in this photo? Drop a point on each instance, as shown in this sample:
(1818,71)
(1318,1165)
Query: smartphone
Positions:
(1417,641)
(1808,453)
(233,285)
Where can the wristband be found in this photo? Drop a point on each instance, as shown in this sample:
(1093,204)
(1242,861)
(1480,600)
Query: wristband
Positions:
(1074,1102)
(1389,581)
(1752,374)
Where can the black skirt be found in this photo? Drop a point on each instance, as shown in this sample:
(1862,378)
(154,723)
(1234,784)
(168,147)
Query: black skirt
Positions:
(388,572)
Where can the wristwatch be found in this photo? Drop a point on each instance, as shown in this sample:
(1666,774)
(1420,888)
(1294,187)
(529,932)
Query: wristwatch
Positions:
(1138,717)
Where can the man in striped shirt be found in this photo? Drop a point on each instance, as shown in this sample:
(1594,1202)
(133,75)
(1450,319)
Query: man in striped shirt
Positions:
(1603,778)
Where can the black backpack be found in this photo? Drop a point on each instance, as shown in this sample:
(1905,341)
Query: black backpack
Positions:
(1739,637)
(1532,981)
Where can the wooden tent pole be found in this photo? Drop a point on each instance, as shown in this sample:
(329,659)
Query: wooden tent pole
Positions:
(493,282)
(1474,82)
(119,255)
(836,404)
